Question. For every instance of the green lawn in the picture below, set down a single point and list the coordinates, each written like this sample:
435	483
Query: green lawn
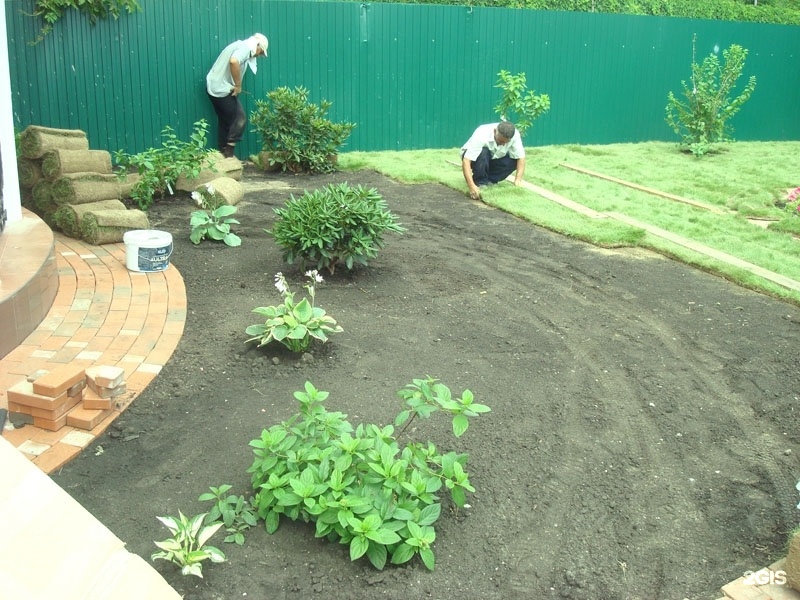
741	182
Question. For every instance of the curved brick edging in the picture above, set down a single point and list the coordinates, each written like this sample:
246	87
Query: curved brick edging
103	314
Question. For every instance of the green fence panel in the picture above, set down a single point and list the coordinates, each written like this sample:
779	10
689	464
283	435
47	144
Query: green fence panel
409	76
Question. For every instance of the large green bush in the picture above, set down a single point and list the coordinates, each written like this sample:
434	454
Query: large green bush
295	134
335	225
361	486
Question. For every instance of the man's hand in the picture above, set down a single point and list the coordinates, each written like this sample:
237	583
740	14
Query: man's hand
518	178
466	169
236	90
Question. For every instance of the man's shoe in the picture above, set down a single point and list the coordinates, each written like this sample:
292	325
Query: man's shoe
227	151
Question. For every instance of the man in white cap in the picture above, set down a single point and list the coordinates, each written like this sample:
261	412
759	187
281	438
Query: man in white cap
224	84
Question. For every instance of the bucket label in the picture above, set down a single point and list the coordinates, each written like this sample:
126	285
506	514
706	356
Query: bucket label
154	259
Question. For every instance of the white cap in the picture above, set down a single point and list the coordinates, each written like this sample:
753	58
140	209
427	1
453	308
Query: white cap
261	41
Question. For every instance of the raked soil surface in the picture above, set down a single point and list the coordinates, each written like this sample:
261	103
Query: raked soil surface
642	442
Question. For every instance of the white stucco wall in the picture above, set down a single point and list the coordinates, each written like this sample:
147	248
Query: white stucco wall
11	198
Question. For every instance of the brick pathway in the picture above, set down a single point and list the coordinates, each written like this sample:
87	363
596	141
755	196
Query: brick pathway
103	314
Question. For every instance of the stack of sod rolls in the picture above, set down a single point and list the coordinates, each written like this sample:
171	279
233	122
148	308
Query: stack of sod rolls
73	188
227	188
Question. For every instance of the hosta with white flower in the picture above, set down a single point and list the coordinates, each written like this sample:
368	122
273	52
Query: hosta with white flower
295	325
214	220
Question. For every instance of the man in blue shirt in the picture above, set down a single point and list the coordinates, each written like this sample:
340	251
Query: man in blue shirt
492	153
224	84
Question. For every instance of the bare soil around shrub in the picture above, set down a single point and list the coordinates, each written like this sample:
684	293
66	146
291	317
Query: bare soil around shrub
642	443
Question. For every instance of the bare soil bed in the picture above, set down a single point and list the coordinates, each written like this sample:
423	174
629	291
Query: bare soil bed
642	443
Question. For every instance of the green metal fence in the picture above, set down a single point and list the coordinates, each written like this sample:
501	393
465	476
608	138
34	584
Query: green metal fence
409	76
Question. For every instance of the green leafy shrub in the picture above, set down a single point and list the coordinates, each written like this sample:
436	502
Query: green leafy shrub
235	512
518	104
358	485
187	546
702	120
296	136
159	168
295	325
333	225
213	220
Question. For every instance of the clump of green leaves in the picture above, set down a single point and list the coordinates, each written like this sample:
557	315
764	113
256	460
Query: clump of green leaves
296	135
293	324
360	486
159	168
334	225
52	11
187	546
702	118
235	512
518	104
214	219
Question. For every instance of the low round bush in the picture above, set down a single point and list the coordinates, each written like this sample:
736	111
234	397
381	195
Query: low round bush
334	225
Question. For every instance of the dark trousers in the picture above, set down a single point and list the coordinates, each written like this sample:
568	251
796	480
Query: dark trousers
485	169
231	117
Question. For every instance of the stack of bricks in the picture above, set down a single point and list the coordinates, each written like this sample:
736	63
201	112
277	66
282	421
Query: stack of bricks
73	395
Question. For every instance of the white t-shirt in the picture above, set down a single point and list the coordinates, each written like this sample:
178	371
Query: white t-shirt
483	137
219	81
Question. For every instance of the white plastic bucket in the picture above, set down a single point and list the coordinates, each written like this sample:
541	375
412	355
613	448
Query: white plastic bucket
147	250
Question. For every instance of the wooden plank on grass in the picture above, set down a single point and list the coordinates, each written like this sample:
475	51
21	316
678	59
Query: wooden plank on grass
712	252
641	188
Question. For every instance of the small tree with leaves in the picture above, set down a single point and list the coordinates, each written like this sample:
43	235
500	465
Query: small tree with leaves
702	119
519	104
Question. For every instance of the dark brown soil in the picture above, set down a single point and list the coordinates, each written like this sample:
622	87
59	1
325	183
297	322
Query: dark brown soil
642	442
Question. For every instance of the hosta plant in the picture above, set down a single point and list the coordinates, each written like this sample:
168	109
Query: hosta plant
187	546
359	485
293	324
214	219
334	225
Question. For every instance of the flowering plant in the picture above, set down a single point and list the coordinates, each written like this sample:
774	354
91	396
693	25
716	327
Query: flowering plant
293	325
214	219
793	201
